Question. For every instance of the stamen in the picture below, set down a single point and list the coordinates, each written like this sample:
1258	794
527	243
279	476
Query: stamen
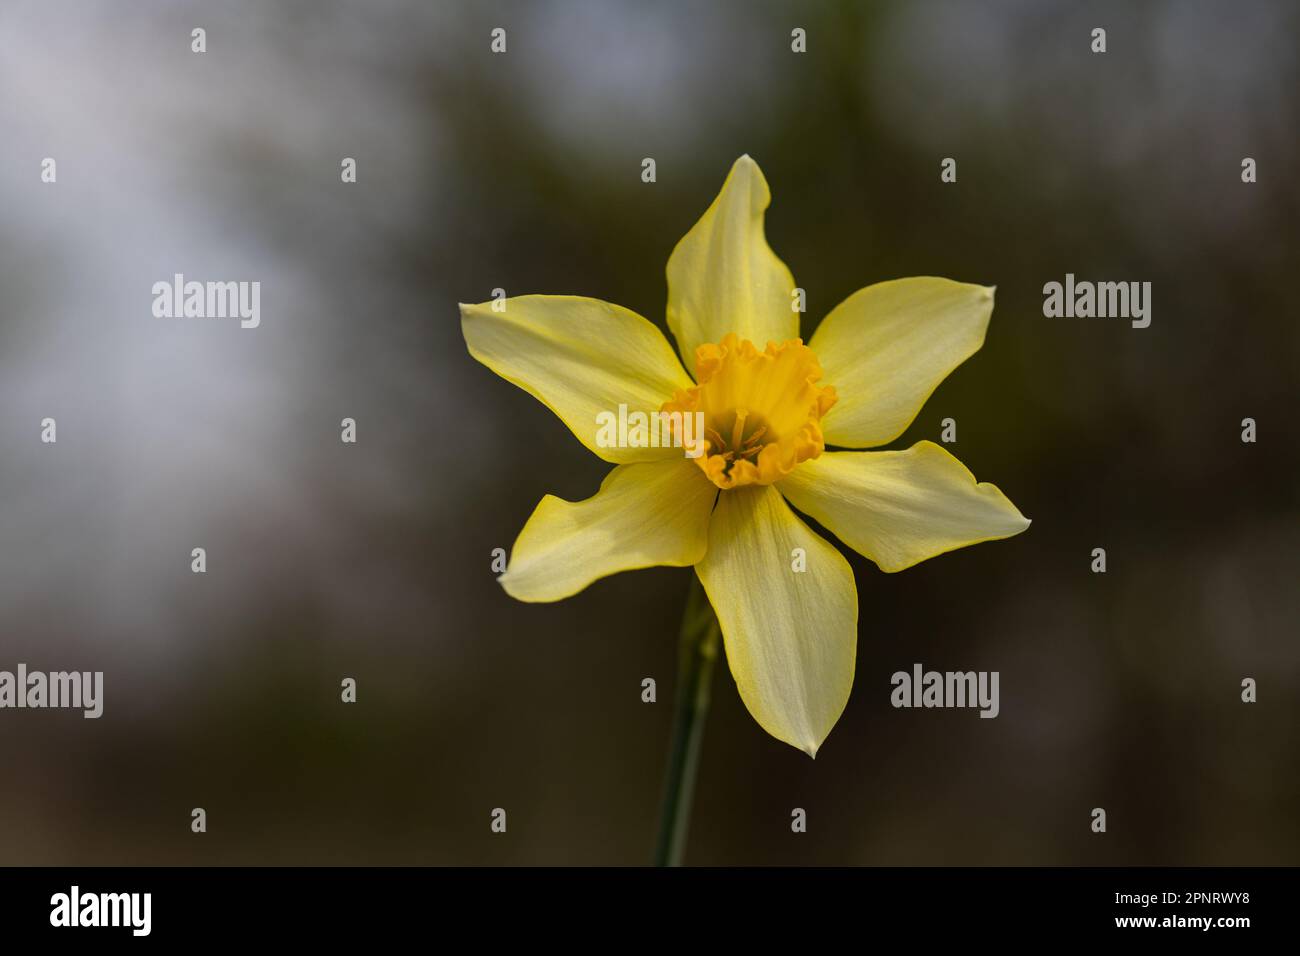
739	428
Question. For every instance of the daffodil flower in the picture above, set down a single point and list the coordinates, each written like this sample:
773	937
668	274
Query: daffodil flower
790	635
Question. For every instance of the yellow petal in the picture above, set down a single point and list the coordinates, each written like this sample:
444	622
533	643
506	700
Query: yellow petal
901	507
791	636
723	277
643	515
887	347
581	358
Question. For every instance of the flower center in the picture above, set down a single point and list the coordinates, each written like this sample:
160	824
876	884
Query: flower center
762	410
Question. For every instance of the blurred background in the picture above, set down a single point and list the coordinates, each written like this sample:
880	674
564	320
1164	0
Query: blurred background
522	171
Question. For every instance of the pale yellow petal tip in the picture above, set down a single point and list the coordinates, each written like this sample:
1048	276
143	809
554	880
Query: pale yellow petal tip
808	745
810	749
1024	522
474	308
511	587
509	584
528	591
791	737
746	169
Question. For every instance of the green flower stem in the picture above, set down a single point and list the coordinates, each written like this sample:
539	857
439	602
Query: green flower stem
697	653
